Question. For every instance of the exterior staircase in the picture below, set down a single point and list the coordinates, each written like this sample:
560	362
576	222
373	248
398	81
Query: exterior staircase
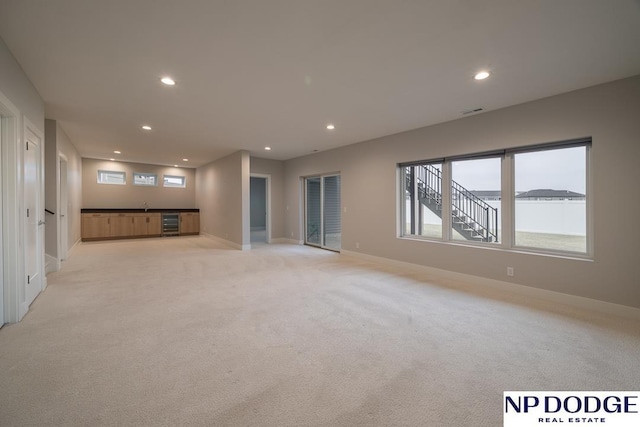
473	218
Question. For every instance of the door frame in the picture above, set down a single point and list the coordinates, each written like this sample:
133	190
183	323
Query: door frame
11	181
2	138
321	235
30	132
267	177
63	203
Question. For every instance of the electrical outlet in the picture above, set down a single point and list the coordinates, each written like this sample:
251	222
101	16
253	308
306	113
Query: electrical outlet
510	271
357	245
292	234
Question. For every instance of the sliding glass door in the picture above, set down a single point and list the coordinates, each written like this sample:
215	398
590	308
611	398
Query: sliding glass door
313	211
323	222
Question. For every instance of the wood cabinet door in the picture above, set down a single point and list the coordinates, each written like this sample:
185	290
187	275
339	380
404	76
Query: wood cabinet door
121	225
139	225
189	223
196	223
95	226
154	225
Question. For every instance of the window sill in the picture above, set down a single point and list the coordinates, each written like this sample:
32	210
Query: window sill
501	248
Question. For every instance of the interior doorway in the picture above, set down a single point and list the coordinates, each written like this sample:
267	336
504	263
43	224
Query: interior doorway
260	202
323	219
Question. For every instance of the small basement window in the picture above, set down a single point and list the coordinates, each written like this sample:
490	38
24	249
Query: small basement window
112	177
175	181
147	179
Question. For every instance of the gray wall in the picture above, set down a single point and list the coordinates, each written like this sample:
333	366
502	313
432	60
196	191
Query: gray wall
57	142
275	169
74	185
608	113
131	196
15	85
222	195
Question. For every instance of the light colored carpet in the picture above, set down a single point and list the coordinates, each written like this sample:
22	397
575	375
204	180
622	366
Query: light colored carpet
182	331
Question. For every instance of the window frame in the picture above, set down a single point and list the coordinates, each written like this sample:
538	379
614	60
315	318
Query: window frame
181	177
507	217
587	144
415	210
104	171
145	174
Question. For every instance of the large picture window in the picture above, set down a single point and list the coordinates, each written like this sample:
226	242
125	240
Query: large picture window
461	199
551	199
423	200
475	199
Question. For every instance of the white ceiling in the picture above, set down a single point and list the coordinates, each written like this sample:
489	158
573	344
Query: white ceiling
256	73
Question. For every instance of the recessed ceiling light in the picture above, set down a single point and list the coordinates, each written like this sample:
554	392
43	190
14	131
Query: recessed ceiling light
146	127
482	75
331	127
112	160
116	152
168	81
175	166
267	148
185	160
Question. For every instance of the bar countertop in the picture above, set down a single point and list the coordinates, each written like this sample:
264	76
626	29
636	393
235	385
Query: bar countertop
139	210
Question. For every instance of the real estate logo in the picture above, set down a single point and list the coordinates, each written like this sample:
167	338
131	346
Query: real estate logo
544	408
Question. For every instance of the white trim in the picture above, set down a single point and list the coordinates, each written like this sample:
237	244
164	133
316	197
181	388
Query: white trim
287	241
1	240
267	177
11	168
226	242
475	282
30	127
62	254
75	244
52	264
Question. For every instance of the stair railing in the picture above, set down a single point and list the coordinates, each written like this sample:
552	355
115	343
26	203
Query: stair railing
431	179
470	209
475	212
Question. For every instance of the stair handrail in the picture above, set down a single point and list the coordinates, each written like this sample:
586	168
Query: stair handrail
468	204
476	209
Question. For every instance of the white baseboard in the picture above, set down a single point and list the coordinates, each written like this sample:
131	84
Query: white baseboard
469	281
52	264
226	242
287	241
76	243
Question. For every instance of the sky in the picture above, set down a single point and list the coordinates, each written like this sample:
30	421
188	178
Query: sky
561	169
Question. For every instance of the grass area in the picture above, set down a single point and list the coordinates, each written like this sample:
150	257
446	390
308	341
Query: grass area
556	242
560	242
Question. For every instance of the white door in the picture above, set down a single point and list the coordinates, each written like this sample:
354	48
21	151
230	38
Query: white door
33	223
63	208
1	241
